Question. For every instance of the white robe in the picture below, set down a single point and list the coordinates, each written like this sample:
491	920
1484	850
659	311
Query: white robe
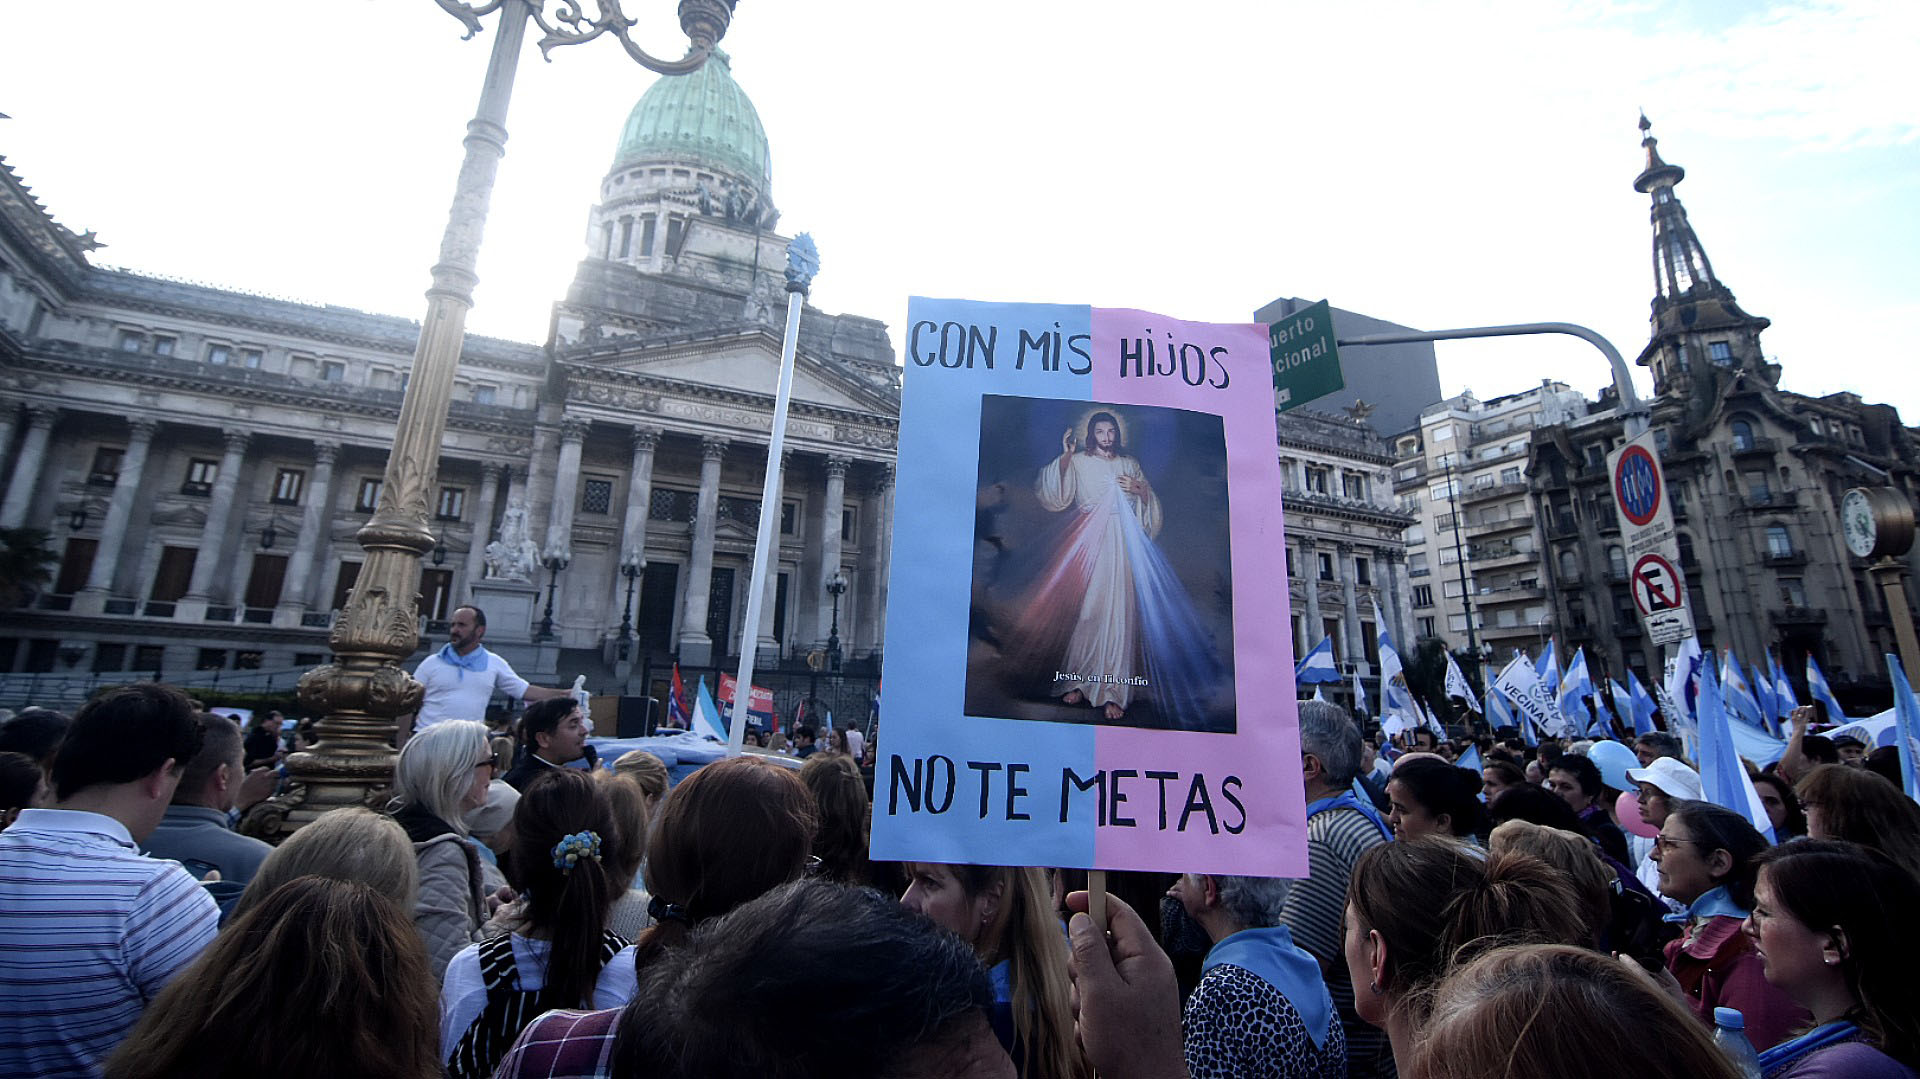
1104	643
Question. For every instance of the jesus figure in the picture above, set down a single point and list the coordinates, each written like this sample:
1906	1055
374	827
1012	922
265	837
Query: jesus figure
1105	486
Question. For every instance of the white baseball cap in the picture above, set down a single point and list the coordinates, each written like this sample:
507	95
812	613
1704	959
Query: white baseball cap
1670	776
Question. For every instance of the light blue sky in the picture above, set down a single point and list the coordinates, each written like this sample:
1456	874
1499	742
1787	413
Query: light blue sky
1436	165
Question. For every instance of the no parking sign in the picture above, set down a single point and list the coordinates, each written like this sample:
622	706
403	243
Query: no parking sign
1646	530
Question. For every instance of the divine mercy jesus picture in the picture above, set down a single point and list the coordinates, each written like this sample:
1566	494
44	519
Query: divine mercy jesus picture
1102	567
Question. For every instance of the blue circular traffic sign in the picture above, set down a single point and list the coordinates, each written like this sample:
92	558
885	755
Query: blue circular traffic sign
1636	484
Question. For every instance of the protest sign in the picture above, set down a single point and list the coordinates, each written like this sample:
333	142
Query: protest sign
759	702
1087	636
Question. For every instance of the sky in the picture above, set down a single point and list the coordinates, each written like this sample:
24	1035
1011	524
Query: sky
1436	165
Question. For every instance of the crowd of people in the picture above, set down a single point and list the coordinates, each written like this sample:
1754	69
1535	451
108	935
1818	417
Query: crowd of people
1569	910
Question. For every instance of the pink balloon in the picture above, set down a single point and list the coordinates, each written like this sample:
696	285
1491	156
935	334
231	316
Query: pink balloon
1626	809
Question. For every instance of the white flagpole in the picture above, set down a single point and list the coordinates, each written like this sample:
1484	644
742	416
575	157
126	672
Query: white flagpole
802	261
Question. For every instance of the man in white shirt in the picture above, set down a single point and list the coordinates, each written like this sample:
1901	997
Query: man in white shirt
463	676
93	928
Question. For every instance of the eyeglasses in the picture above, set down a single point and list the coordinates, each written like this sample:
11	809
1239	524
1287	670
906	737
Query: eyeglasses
1663	843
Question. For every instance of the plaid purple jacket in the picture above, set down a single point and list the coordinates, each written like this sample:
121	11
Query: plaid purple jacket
563	1045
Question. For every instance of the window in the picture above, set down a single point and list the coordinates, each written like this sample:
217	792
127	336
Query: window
1680	357
1779	543
1661	440
201	472
247	660
1569	563
1426	627
163	346
1457	623
1290	570
1354	486
1326	566
1616	560
1742	435
1510	475
1423	595
1792	592
846	523
1417	564
218	355
1362	571
649	225
1441	492
108	656
626	237
1451	589
150	657
596	495
1596	454
676	232
333	371
1720	352
484	394
1757	488
453	500
131	341
1410	503
309	659
1685	543
1443	434
211	659
287	484
1316	480
789	518
250	358
106	466
368	499
1416	533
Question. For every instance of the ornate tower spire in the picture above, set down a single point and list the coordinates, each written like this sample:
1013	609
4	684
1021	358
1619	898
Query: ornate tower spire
1695	318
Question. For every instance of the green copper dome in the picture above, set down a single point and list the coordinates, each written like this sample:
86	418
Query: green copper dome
703	118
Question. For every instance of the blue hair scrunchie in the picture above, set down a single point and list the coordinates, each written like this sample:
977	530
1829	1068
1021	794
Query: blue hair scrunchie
571	849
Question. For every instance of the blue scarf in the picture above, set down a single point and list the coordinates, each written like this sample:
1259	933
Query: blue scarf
1346	800
1791	1050
1271	955
1715	903
475	661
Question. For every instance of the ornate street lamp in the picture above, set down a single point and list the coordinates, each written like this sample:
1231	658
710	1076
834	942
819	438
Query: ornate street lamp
630	566
363	691
836	587
556	560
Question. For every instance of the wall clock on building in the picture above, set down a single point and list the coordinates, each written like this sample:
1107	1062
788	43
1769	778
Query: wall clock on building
1877	522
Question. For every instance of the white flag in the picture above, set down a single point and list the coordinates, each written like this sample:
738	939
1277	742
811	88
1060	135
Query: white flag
1457	684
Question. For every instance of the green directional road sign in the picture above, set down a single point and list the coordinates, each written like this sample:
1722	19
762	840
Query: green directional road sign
1305	363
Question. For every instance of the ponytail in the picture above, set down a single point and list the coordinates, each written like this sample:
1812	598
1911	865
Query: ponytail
563	861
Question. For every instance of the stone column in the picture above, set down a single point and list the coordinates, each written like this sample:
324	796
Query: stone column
213	537
696	648
766	644
113	532
1388	561
1310	577
873	544
632	546
26	470
310	546
832	507
489	494
566	485
9	419
1349	603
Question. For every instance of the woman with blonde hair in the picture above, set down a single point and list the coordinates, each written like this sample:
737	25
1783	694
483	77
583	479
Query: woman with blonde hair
1006	914
321	979
1534	1010
350	844
443	773
1415	907
642	768
633	814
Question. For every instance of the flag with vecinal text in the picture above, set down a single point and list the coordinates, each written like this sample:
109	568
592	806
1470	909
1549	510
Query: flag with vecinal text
1521	683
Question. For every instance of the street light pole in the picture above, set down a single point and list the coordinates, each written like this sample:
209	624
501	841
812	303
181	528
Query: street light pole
836	587
630	569
361	694
556	561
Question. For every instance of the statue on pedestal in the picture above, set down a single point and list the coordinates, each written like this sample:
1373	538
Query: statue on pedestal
513	556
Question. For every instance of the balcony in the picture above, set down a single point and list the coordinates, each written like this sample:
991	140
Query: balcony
1482	492
1563	526
1518	630
1771	500
1755	447
1419	571
1483	529
1787	560
1798	616
1516	594
1496	555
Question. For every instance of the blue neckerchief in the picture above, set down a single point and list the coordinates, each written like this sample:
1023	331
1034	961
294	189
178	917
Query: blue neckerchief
475	661
1791	1050
1346	800
1715	903
1272	956
1001	975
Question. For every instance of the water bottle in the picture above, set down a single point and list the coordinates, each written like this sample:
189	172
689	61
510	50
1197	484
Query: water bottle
1730	1034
